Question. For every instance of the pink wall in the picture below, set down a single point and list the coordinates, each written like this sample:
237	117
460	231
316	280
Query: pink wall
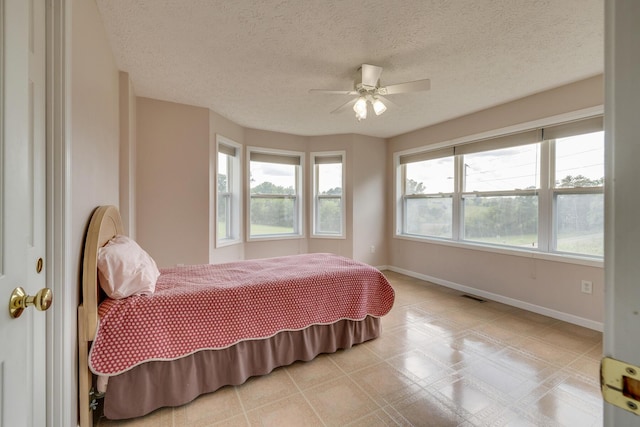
565	99
370	185
127	155
172	181
93	130
92	141
544	285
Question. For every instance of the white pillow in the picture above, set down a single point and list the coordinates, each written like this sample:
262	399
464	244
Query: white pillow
125	269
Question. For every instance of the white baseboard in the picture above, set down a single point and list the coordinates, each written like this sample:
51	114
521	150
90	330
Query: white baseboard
570	318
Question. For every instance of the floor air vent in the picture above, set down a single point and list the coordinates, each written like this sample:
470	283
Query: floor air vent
473	298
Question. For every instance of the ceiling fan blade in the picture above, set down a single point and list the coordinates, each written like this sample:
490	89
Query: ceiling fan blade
387	101
371	75
335	92
414	86
345	106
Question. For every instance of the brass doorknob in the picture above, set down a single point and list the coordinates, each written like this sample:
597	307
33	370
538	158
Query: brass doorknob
20	300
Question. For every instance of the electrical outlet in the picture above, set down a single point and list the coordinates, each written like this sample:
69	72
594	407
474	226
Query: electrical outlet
372	249
587	287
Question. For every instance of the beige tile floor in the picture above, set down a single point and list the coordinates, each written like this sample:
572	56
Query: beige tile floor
442	360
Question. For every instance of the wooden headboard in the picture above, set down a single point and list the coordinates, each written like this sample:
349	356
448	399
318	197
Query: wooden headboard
105	223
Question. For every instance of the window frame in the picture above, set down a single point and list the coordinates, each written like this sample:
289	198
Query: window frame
298	197
234	198
547	193
317	197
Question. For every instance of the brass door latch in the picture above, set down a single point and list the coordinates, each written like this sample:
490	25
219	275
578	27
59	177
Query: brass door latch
620	383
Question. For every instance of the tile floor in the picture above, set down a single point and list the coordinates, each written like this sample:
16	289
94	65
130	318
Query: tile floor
442	360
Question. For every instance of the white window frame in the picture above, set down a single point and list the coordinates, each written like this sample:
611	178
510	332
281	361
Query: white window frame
316	197
234	204
546	194
298	198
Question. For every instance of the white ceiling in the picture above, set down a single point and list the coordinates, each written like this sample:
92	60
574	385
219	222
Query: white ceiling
254	62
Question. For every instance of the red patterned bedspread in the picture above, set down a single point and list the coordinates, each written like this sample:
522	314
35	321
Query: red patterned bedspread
215	306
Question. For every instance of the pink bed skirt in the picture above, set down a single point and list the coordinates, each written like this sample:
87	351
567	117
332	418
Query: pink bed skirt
159	384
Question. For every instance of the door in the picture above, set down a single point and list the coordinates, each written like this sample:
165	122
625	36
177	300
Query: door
622	195
22	211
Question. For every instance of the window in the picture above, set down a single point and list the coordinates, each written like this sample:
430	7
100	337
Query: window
500	196
228	206
428	189
328	194
578	194
540	190
275	199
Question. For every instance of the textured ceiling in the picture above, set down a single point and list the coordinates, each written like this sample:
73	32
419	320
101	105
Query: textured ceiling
254	62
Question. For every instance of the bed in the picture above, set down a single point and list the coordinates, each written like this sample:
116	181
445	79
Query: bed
252	317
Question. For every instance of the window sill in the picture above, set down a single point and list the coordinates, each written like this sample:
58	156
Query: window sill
569	259
328	236
225	243
275	237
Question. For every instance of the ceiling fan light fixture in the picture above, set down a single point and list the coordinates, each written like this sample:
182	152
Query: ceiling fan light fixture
378	107
360	107
368	90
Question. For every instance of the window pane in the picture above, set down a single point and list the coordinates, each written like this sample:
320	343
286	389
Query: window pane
272	178
429	176
223	173
228	186
580	223
504	220
580	161
223	216
329	178
224	186
429	217
272	216
329	216
514	168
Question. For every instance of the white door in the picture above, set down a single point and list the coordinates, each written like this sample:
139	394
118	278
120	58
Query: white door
22	210
622	132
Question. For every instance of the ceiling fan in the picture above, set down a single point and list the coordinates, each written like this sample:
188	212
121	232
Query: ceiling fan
368	90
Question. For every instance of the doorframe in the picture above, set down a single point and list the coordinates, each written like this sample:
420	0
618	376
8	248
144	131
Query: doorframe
622	317
61	320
